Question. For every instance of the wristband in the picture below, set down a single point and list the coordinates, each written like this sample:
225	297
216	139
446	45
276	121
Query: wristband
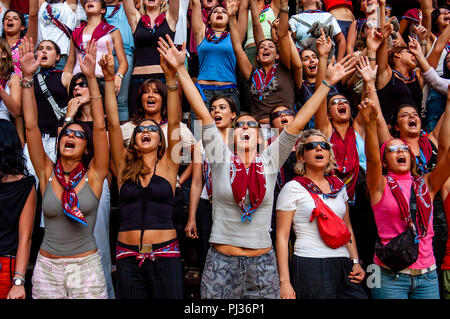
372	59
120	75
95	97
19	273
285	9
324	82
172	87
111	79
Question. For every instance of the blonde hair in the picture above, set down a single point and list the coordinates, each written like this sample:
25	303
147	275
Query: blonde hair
300	167
164	7
300	5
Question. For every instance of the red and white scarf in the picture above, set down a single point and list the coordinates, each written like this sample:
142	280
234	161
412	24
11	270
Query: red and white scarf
254	182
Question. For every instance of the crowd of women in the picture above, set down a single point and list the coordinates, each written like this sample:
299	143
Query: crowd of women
307	141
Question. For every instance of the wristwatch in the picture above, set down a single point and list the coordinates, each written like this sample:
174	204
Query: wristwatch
18	281
68	119
356	261
120	75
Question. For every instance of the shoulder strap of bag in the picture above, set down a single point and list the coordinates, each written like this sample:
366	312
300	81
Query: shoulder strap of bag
59	112
306	24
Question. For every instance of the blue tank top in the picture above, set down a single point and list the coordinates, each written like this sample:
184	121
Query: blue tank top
217	61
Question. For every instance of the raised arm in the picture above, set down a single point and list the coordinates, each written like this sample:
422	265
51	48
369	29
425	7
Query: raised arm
42	164
384	70
439	46
321	120
174	145
121	58
132	13
32	28
335	72
118	150
243	62
172	17
441	134
374	173
100	163
197	24
258	33
175	59
243	8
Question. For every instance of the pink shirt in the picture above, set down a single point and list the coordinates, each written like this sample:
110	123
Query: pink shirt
101	49
390	222
16	57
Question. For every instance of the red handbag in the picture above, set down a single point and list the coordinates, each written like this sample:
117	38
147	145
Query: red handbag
332	228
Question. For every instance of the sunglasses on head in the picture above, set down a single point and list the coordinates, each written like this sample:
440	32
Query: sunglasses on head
278	114
81	84
396	148
313	145
250	124
338	100
77	133
142	128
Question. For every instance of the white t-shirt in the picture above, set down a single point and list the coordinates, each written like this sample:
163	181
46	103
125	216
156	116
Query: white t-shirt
181	29
4	112
308	242
47	30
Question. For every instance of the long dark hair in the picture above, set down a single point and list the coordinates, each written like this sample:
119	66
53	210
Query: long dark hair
89	155
22	20
83	77
12	160
140	111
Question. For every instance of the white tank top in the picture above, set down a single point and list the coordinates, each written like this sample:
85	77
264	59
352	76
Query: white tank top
4	113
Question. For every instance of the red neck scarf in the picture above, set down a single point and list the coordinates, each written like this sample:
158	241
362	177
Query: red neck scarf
211	36
423	202
102	29
254	182
261	80
58	23
71	206
335	184
115	10
147	23
347	159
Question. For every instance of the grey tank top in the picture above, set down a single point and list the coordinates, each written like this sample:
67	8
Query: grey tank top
64	237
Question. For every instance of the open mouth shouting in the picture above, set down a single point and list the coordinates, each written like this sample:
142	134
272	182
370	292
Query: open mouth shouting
245	136
217	119
69	145
284	121
401	160
412	123
145	138
342	110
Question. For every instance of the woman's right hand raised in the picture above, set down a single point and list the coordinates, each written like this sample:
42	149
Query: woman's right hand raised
174	58
28	63
232	7
369	112
107	63
337	71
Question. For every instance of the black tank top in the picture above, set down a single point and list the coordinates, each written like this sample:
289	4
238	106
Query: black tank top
47	119
146	43
396	93
150	207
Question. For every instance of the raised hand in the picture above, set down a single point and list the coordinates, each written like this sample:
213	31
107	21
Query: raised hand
173	58
414	47
232	7
374	40
323	44
337	71
421	32
369	112
107	63
87	64
368	74
28	63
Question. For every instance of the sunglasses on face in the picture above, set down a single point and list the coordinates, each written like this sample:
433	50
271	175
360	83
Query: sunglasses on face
250	124
277	114
82	84
313	145
397	148
142	128
79	134
339	100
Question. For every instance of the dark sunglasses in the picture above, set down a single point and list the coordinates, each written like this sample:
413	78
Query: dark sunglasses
81	84
338	100
396	148
79	134
250	124
313	145
278	114
142	128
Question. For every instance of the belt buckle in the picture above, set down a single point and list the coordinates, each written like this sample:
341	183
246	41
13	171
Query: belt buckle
415	272
146	249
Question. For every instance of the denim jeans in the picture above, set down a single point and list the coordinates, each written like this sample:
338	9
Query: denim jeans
158	279
403	286
208	95
122	98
